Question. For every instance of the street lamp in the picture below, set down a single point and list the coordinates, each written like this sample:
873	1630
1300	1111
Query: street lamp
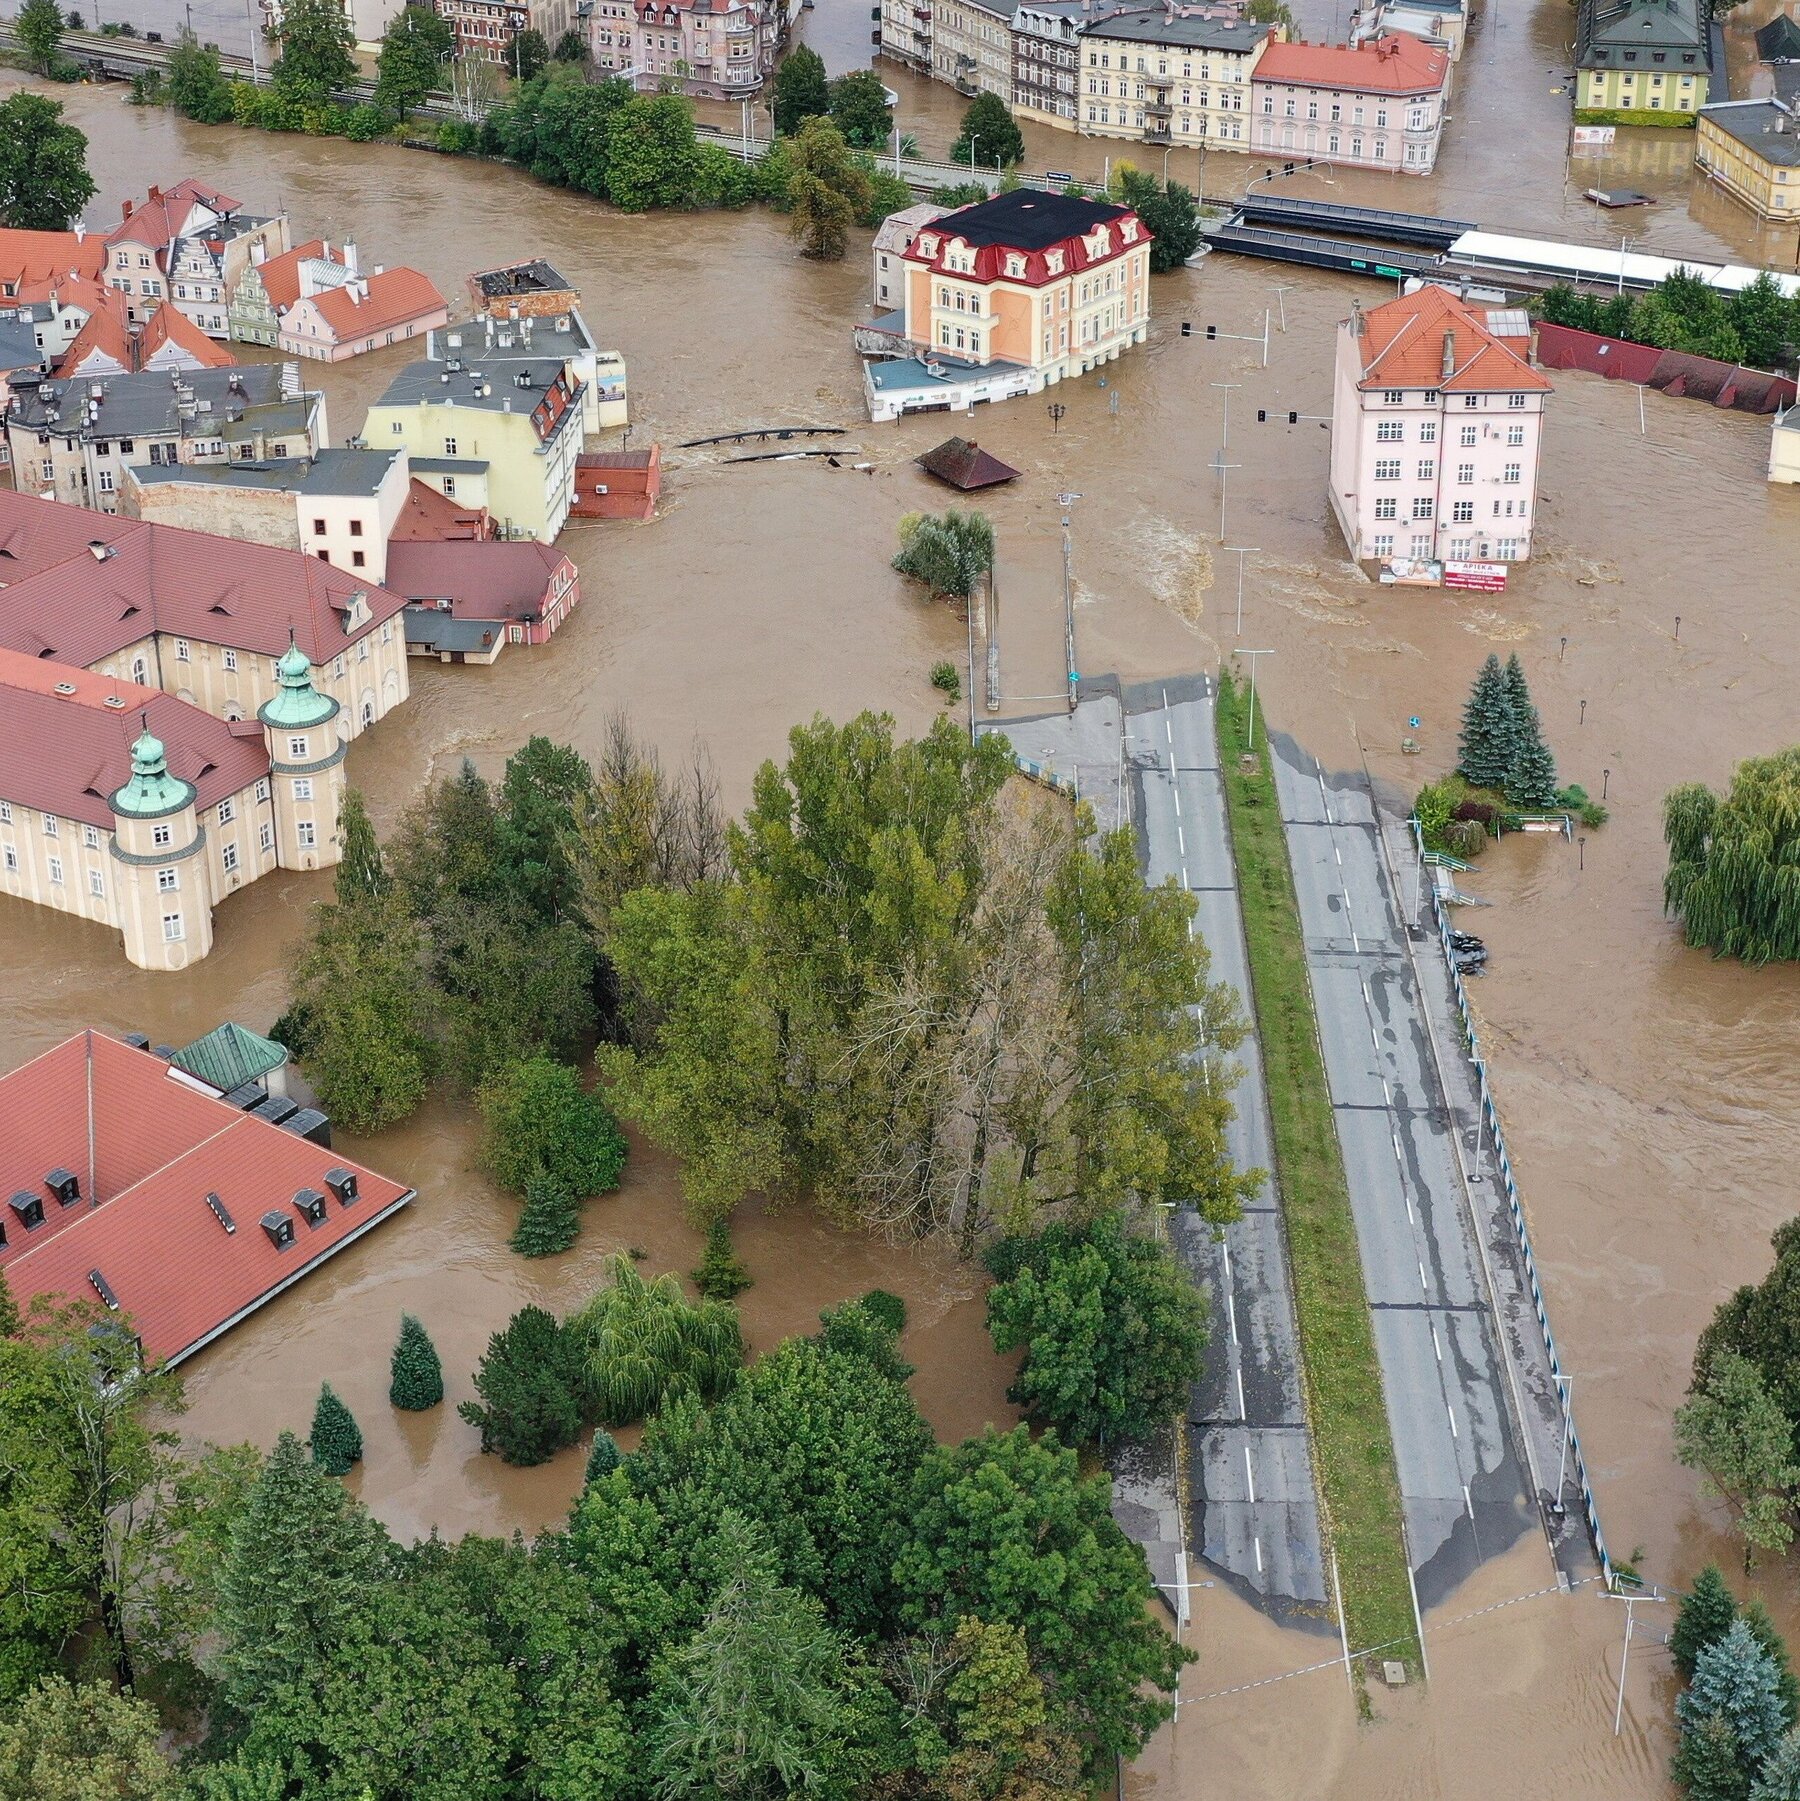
974	139
1066	500
1250	730
1240	551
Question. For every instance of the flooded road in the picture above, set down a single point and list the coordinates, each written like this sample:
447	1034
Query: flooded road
1652	1098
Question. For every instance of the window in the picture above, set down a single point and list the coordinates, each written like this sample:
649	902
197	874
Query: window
1516	402
266	836
96	884
261	791
161	836
1471	400
337	668
228	858
1511	473
449	487
1392	397
12	858
1465	474
1460	547
227	810
1427	469
449	447
303	787
1428	432
1422	506
51	830
1469	435
1384	508
387	631
1390	431
5	812
305	832
56	870
318	528
105	481
1384	544
182	653
1509	548
1387	469
297	749
357	559
172	933
356	530
1462	513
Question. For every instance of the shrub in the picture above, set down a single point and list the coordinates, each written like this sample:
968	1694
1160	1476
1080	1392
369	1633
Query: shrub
856	1329
550	1222
1465	837
947	682
415	1377
721	1275
603	1457
529	1383
539	1119
886	1307
964	193
949	553
337	1444
365	122
458	137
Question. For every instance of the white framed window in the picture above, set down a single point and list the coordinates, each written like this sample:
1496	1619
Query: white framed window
1471	401
1465	474
1384	544
96	884
228	858
1515	436
1470	434
167	881
182	653
1392	397
104	480
1460	547
1427	469
56	870
1385	507
449	447
12	857
1387	469
5	812
162	836
172	932
231	659
302	787
297	748
1516	402
1390	431
90	836
387	631
266	836
1462	512
304	831
1510	473
1428	431
1421	506
1509	548
50	826
337	668
227	810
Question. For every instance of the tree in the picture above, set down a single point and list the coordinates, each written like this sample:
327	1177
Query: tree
1729	861
655	157
1706	1614
801	90
1764	319
362	871
721	1275
1006	1529
1111	1327
859	109
415	47
44	181
537	1119
1531	775
1270	12
415	1377
527	54
603	1456
1173	217
529	1382
761	1702
83	1743
1491	730
1707	1765
571	47
888	194
643	1344
38	26
950	553
197	84
1735	1680
317	50
1735	1431
336	1440
990	136
828	191
1779	1778
550	1221
540	794
1764	1631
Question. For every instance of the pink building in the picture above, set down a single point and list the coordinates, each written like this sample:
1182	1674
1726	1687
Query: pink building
1436	422
346	314
709	49
1379	105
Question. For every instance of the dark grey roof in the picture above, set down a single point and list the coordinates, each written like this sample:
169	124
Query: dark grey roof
449	465
534	277
148	405
1778	41
348	471
1152	25
18	345
1765	127
1611	34
278	416
1028	220
444	631
509	340
512	385
284	475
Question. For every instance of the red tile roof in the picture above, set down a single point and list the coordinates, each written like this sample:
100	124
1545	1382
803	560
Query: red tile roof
393	297
1396	64
63	601
157	221
107	333
281	274
492	580
34	259
427	516
147	1152
1032	225
169	325
1403	341
68	754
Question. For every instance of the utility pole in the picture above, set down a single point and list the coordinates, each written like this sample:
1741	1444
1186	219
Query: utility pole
1240	551
1250	731
1281	301
1066	500
1225	427
992	628
1630	1600
1220	466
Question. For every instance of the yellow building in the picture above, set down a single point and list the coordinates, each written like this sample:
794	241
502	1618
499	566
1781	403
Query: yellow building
1751	148
1163	80
1643	56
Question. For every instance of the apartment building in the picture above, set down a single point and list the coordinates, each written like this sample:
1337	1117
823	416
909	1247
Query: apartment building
1376	105
1443	22
972	47
189	245
1646	56
1046	82
905	33
708	49
1165	80
485	28
1436	427
598	375
1751	148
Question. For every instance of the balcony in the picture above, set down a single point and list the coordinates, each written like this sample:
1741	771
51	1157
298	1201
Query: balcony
1158	108
1158	135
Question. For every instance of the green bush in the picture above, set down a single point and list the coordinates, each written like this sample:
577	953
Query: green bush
721	1276
530	1387
539	1119
603	1457
364	123
1634	115
888	1308
964	193
857	1329
1465	837
550	1222
337	1444
947	682
459	137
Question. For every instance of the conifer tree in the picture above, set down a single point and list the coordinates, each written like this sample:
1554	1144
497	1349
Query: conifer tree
1706	1615
721	1275
416	1379
1736	1680
1531	773
603	1457
1763	1630
336	1438
1779	1778
1707	1765
550	1221
1489	730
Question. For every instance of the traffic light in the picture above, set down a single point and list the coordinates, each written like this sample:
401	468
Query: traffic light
1212	332
1187	330
1262	415
1293	418
1287	168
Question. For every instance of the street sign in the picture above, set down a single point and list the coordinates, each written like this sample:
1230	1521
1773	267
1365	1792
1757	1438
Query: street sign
1060	176
1489	578
1413	723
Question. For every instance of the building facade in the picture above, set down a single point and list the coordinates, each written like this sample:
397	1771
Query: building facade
1167	80
1436	21
366	312
1751	148
1046	78
905	33
188	245
486	28
1379	105
972	46
1645	56
1436	428
707	49
893	238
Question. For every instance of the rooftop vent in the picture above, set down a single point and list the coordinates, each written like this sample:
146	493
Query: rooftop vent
115	701
103	1289
65	688
342	1183
63	1184
220	1214
310	1205
29	1208
99	549
280	1228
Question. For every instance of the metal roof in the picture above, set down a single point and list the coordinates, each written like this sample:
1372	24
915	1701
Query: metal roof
230	1055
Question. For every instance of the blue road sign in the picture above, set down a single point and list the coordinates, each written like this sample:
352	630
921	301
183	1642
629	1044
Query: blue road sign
1414	723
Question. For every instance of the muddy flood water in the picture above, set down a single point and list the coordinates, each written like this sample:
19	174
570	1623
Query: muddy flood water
1651	1096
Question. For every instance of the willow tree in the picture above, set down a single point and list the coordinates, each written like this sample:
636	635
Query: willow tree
1734	863
949	552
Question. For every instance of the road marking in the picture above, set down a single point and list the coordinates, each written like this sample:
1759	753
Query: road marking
1249	1475
1243	1411
1230	1304
1169	730
1368	1000
1452	1413
1339	855
1257	1542
1438	1348
1422	1283
1177	794
1387	1096
1181	839
1467	1502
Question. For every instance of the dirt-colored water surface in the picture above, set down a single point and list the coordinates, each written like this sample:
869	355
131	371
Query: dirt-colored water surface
1650	1094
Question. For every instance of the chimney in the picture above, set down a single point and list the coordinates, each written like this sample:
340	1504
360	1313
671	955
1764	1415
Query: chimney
155	195
125	211
80	232
1449	367
350	261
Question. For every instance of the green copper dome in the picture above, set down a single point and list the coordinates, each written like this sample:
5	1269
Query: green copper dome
151	790
297	703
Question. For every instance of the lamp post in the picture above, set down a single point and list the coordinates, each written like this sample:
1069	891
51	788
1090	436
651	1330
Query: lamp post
1240	551
1220	466
974	139
1630	1601
1225	426
1066	500
1250	729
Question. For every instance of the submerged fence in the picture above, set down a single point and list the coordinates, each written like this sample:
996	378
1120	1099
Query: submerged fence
1490	1116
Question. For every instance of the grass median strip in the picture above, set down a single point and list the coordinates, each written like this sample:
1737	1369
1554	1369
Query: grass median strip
1352	1443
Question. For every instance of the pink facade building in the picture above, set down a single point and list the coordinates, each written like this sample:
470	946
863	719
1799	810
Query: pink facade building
1376	105
709	49
1436	423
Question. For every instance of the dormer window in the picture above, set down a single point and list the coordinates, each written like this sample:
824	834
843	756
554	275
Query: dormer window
1054	261
1015	265
1130	231
928	244
280	1228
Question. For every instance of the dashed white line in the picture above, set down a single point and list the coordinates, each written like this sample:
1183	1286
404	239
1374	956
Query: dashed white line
1257	1543
1422	1282
1339	855
1176	792
1169	731
1249	1476
1436	1347
1181	839
1230	1304
1470	1505
1243	1411
1452	1413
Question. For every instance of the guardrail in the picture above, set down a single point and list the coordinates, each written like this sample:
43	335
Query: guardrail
1490	1118
1046	777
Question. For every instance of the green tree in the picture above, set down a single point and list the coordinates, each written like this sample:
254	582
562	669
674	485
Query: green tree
1531	775
571	47
527	54
1007	1530
362	871
1764	1631
721	1275
317	50
44	180
1706	1614
655	157
1729	880
415	1375
888	194
198	87
603	1456
951	553
1491	729
1170	212
530	1383
541	794
1735	1432
1764	320
859	109
1779	1778
415	47
1707	1765
538	1119
1270	12
38	26
550	1221
83	1743
990	136
864	1331
336	1439
1735	1680
828	192
801	90
1111	1327
762	1701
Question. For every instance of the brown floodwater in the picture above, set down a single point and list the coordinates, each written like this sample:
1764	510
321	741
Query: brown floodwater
1651	1095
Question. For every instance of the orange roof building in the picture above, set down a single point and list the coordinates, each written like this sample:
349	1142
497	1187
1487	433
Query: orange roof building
169	340
361	313
32	261
1374	105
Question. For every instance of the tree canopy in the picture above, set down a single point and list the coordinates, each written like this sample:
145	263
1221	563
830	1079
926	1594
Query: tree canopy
318	50
859	109
1734	862
801	90
827	192
415	47
990	137
38	25
44	180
